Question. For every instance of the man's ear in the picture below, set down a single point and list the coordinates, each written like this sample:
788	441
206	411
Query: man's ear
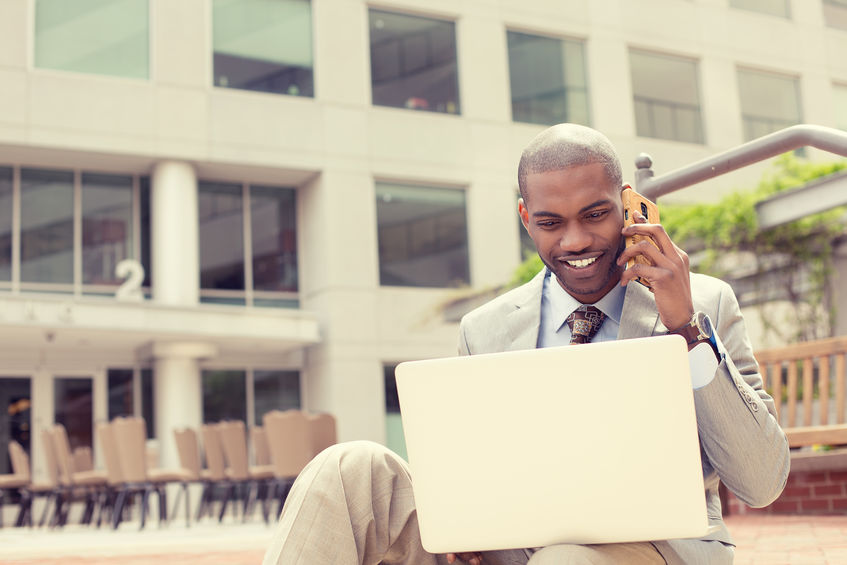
524	214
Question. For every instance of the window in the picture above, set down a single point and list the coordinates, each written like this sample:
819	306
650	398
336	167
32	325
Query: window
769	102
835	13
269	276
125	401
75	227
772	7
839	94
666	97
15	416
422	234
413	62
263	45
394	438
235	394
73	403
547	78
104	37
6	207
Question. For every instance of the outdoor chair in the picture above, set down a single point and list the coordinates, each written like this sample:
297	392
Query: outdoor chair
114	475
259	441
75	483
188	451
239	472
291	448
323	431
9	483
58	494
215	475
30	491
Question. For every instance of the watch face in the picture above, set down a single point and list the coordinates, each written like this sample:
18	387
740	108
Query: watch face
704	324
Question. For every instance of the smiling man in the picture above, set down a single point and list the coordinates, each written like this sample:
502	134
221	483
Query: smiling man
353	503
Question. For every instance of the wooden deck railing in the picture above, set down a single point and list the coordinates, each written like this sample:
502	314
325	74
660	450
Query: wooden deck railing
807	381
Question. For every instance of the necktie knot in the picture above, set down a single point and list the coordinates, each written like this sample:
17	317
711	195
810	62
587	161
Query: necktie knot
584	323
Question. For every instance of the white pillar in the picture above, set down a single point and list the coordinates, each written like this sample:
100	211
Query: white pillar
177	391
174	225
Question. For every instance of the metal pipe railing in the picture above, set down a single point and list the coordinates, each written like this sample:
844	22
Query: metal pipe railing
771	145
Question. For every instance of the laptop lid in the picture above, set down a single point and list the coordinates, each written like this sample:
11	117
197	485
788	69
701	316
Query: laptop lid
589	444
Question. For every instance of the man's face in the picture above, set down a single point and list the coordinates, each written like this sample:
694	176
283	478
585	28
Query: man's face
575	217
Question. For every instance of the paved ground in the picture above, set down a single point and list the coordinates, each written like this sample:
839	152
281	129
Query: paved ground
762	540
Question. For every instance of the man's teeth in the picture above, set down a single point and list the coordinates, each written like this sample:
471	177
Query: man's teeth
582	262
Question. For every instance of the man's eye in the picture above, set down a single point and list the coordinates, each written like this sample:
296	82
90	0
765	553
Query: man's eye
546	223
596	215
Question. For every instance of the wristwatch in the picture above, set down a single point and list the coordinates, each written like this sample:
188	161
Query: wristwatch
698	330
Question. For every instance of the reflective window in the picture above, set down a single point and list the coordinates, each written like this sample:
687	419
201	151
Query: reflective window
423	239
106	226
547	78
275	390
6	208
224	396
263	45
73	408
772	7
274	239
47	226
839	94
122	387
15	417
835	13
666	97
106	37
271	244
769	102
413	62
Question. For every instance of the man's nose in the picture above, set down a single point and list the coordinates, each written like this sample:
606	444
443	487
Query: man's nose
575	239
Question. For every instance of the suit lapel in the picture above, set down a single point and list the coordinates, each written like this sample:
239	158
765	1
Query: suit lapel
640	317
524	321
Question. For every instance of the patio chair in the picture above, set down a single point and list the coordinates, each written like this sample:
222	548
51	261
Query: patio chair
215	473
239	472
259	441
323	431
30	491
75	483
58	494
290	445
114	475
9	483
188	451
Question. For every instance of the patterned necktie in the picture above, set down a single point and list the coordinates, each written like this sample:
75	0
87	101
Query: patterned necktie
584	323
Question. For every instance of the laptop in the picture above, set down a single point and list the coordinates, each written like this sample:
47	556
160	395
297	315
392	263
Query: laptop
506	451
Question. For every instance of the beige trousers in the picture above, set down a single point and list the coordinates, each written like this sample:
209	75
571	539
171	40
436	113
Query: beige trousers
353	505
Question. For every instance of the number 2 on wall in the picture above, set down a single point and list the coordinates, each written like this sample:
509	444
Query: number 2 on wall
133	274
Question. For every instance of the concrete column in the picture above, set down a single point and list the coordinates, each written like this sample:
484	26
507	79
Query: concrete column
174	234
177	391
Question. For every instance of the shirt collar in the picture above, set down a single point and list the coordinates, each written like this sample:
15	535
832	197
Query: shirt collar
562	303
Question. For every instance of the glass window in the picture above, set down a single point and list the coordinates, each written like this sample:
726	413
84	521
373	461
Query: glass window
413	62
120	393
423	239
224	395
274	238
769	102
840	95
263	45
275	390
666	97
6	208
394	438
835	13
106	226
221	236
547	78
47	226
106	37
772	7
15	417
73	408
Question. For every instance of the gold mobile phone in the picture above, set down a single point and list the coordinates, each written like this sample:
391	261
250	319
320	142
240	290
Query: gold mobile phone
632	203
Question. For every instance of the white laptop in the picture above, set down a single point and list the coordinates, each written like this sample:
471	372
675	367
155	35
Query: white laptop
589	444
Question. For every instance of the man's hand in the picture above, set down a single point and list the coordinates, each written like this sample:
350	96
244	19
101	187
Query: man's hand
471	557
668	275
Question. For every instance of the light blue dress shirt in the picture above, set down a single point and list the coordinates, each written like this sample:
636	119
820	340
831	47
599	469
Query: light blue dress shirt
557	305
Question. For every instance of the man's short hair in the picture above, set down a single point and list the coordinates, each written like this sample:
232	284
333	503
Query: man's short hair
568	145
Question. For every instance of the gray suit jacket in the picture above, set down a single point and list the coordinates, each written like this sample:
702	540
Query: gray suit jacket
741	442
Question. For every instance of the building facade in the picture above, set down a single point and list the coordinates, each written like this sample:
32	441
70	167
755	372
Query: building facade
214	208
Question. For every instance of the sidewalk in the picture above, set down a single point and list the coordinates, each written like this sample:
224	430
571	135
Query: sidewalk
761	539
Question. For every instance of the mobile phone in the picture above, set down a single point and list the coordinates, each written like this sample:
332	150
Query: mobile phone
632	203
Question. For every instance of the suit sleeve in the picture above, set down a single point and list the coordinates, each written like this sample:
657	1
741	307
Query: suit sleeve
736	418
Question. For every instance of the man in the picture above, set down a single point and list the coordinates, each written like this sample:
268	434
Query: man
353	504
